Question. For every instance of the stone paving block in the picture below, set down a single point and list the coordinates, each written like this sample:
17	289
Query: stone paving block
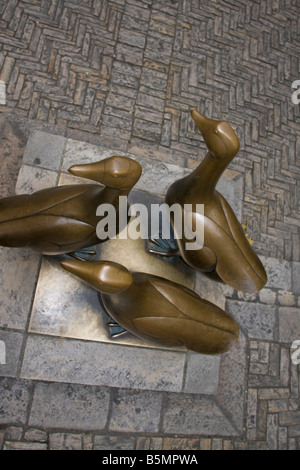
135	411
267	296
194	415
12	345
142	443
202	376
289	417
64	441
69	406
44	150
272	431
36	435
257	320
285	364
33	179
286	298
18	276
14	399
294	431
231	387
113	443
231	186
278	272
177	443
296	276
14	433
10	445
156	443
86	362
289	324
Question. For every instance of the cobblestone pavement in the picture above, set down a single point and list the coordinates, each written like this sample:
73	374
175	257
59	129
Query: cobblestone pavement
125	74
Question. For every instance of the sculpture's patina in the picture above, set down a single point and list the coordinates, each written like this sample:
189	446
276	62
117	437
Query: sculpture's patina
63	219
226	250
158	310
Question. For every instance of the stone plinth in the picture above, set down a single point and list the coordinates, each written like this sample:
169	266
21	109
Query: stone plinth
67	336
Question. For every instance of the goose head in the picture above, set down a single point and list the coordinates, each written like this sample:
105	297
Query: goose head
105	276
220	138
114	172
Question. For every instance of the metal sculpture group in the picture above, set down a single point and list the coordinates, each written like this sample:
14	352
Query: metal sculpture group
63	220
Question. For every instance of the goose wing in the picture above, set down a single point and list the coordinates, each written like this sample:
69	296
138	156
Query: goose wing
49	220
237	263
25	205
188	321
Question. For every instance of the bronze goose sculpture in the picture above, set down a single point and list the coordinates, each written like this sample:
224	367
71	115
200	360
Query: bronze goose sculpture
63	219
156	309
226	249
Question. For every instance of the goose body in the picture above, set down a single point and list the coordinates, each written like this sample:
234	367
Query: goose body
158	310
226	249
63	219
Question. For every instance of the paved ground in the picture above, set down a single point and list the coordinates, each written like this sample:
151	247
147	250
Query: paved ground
124	74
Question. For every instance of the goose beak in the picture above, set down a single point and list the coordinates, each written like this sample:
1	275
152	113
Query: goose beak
104	276
115	172
92	171
82	269
203	123
220	138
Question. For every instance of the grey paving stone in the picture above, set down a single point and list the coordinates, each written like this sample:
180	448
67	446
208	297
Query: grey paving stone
231	387
278	272
12	344
69	406
267	296
33	179
257	320
65	441
18	275
289	324
135	411
202	374
36	435
286	298
10	445
44	150
155	443
231	186
296	276
114	443
14	433
87	362
195	415
14	401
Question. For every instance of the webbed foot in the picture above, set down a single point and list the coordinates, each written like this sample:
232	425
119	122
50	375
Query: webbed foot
83	254
163	247
115	329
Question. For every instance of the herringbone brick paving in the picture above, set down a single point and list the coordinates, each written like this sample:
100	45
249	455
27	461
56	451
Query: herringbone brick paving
125	74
